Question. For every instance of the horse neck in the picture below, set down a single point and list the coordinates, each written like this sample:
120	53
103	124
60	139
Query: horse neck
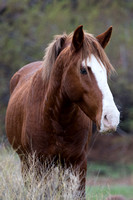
64	117
58	108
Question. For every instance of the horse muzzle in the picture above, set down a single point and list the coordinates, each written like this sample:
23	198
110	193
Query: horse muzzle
110	120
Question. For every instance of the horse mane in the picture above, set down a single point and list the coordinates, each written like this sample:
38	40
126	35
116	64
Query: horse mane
51	53
90	46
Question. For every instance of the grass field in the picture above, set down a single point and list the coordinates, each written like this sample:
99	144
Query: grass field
102	181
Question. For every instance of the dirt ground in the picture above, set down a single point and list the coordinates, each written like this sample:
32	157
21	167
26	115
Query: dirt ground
110	181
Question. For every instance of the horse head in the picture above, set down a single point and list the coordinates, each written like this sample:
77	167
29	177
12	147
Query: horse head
86	68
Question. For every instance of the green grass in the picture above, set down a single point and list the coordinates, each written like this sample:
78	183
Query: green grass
114	171
102	192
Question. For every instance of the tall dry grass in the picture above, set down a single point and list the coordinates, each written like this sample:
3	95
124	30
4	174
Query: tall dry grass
56	184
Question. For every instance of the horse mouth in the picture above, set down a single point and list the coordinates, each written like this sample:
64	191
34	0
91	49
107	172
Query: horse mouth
107	131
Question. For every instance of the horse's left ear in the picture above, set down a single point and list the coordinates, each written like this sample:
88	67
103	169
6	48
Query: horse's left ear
104	38
78	37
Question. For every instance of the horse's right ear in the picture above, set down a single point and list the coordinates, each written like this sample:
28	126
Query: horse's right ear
78	38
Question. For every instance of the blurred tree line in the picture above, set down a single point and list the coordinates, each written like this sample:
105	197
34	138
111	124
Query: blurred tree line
26	28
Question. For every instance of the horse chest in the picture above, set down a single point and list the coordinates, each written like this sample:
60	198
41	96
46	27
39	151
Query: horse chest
71	143
66	144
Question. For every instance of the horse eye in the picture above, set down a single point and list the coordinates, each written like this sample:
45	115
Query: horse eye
83	70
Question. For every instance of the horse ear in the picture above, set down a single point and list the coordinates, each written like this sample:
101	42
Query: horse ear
104	38
59	42
78	37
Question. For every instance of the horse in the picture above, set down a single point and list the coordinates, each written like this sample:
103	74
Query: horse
53	102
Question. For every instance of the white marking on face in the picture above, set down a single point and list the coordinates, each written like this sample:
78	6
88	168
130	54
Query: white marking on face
110	114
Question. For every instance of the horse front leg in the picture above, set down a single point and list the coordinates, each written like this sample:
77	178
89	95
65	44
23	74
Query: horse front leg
82	177
25	170
82	180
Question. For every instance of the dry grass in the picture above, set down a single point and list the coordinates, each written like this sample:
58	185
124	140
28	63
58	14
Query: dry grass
55	184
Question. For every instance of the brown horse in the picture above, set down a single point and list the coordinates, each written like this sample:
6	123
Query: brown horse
53	102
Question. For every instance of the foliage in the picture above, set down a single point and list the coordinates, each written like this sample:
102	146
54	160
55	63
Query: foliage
26	27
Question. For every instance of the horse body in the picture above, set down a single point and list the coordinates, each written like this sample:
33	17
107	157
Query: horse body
51	112
52	126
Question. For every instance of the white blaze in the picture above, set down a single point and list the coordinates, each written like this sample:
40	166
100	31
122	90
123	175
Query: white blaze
110	114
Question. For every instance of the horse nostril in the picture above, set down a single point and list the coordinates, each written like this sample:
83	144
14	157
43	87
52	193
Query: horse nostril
105	118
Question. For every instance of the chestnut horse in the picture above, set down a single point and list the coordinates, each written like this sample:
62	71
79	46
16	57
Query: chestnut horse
53	102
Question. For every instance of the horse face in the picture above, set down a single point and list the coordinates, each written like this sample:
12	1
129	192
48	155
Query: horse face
87	86
108	119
